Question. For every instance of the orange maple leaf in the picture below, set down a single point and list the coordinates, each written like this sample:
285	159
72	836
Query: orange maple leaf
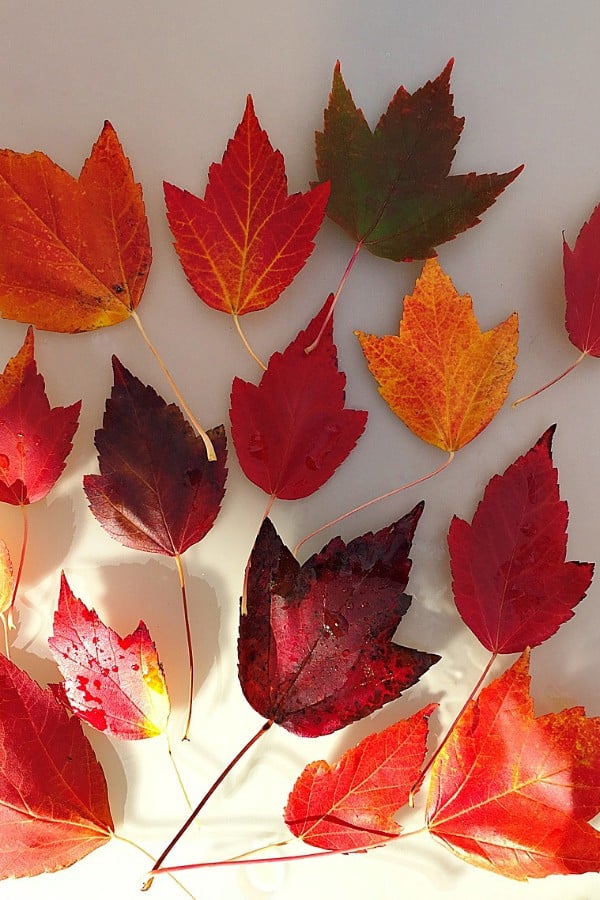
74	253
515	794
443	376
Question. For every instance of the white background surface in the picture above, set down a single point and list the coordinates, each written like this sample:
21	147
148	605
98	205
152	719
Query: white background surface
173	78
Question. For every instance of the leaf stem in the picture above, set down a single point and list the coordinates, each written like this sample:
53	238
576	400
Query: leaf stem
24	541
210	450
126	840
362	506
190	648
241	753
177	772
336	297
256	359
550	383
6	642
416	786
242	861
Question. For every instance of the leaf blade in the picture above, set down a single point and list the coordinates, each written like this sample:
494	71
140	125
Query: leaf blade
443	376
245	242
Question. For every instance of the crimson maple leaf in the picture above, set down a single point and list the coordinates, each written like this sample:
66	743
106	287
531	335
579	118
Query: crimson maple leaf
513	793
53	798
35	439
512	586
245	242
582	293
316	648
116	684
350	806
390	188
292	430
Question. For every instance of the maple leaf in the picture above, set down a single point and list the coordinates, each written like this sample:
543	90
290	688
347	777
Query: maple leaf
115	684
292	431
442	376
390	188
157	491
53	798
35	440
582	292
315	648
513	793
351	805
74	253
245	242
512	586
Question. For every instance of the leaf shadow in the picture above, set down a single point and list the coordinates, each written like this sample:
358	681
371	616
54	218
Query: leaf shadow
51	533
150	591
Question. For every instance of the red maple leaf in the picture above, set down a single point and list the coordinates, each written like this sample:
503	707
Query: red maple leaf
350	806
582	293
35	439
157	491
513	793
512	586
53	798
116	684
316	647
292	430
582	287
245	242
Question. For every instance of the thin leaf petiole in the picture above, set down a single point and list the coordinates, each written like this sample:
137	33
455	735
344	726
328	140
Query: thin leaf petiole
336	297
362	506
416	786
244	340
24	541
131	843
570	368
210	450
218	781
242	860
188	636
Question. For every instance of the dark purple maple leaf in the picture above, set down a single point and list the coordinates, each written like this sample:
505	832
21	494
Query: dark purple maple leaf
316	648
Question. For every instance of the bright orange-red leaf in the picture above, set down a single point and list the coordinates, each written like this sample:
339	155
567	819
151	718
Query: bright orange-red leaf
246	241
443	376
74	253
351	805
515	794
114	683
35	439
53	799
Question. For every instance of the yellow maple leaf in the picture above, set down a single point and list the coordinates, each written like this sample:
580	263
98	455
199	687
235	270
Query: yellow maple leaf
443	376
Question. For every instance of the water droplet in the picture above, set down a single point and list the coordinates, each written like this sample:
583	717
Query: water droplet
114	668
97	682
335	623
135	667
